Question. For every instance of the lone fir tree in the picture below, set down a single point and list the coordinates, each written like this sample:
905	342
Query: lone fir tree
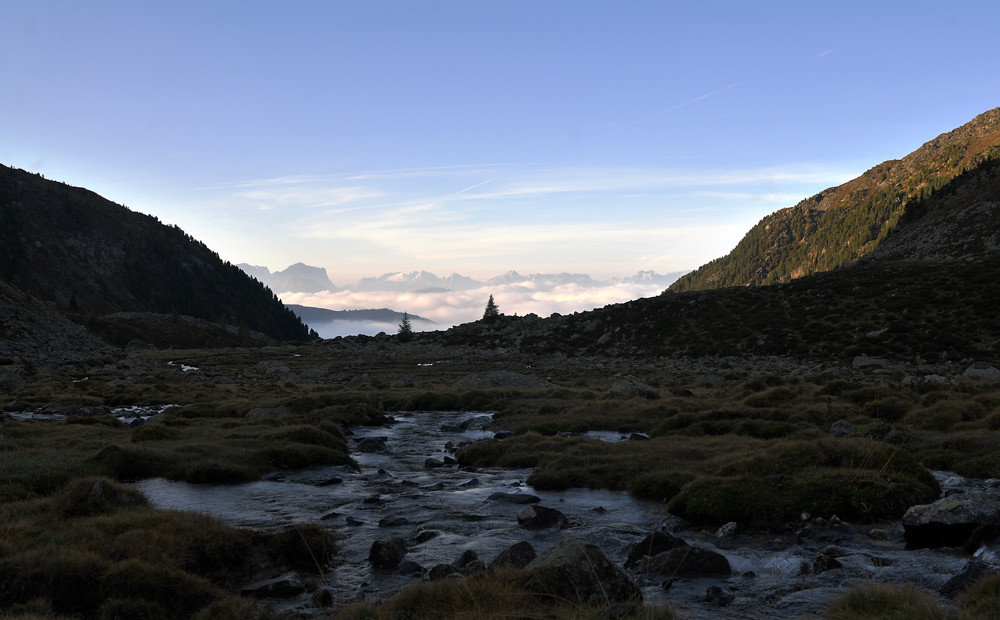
405	329
492	312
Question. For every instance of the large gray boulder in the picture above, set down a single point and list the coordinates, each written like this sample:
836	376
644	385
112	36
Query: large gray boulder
580	572
950	521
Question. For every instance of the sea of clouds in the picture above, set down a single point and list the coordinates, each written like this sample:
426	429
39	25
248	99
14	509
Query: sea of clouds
449	308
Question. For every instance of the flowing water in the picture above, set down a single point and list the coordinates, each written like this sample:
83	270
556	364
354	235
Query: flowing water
443	511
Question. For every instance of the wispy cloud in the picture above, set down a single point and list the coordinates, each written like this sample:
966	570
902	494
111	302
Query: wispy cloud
496	217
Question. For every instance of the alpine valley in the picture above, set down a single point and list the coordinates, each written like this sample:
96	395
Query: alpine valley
808	426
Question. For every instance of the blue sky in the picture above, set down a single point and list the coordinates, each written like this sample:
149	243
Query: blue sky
474	136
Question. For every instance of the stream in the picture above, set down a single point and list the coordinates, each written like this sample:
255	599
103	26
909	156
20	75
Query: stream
443	511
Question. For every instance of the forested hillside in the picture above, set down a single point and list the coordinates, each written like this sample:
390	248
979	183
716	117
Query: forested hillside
92	257
841	224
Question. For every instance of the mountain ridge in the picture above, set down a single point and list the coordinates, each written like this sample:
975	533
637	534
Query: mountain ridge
841	224
90	257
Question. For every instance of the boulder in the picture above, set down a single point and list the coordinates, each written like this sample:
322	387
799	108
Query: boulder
515	556
433	463
442	571
477	423
973	571
539	517
410	568
654	544
581	573
468	556
688	562
387	553
950	521
982	370
842	428
394	521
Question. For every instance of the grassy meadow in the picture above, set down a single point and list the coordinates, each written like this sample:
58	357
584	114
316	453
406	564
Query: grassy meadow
746	442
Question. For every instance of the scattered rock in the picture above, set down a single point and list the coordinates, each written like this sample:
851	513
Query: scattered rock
410	568
652	545
515	556
540	518
477	423
387	553
842	428
688	562
425	535
973	571
950	521
580	572
442	571
982	370
433	463
912	380
467	557
726	531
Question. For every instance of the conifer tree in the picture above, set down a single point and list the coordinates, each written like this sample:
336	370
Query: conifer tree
405	329
492	312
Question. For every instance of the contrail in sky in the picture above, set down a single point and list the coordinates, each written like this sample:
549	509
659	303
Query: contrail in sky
679	106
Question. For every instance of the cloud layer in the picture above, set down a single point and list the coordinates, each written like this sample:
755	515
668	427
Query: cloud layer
455	307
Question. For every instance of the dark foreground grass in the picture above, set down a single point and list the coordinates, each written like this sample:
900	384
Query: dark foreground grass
755	449
96	549
495	595
880	602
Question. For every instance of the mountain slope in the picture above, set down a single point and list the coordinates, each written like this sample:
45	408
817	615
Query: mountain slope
69	246
841	224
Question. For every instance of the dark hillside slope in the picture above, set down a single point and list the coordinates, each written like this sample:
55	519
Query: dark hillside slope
841	224
92	257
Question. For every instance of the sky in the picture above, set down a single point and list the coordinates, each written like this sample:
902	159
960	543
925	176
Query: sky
478	137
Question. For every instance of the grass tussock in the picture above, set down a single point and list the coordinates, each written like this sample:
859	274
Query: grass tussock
495	596
96	549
